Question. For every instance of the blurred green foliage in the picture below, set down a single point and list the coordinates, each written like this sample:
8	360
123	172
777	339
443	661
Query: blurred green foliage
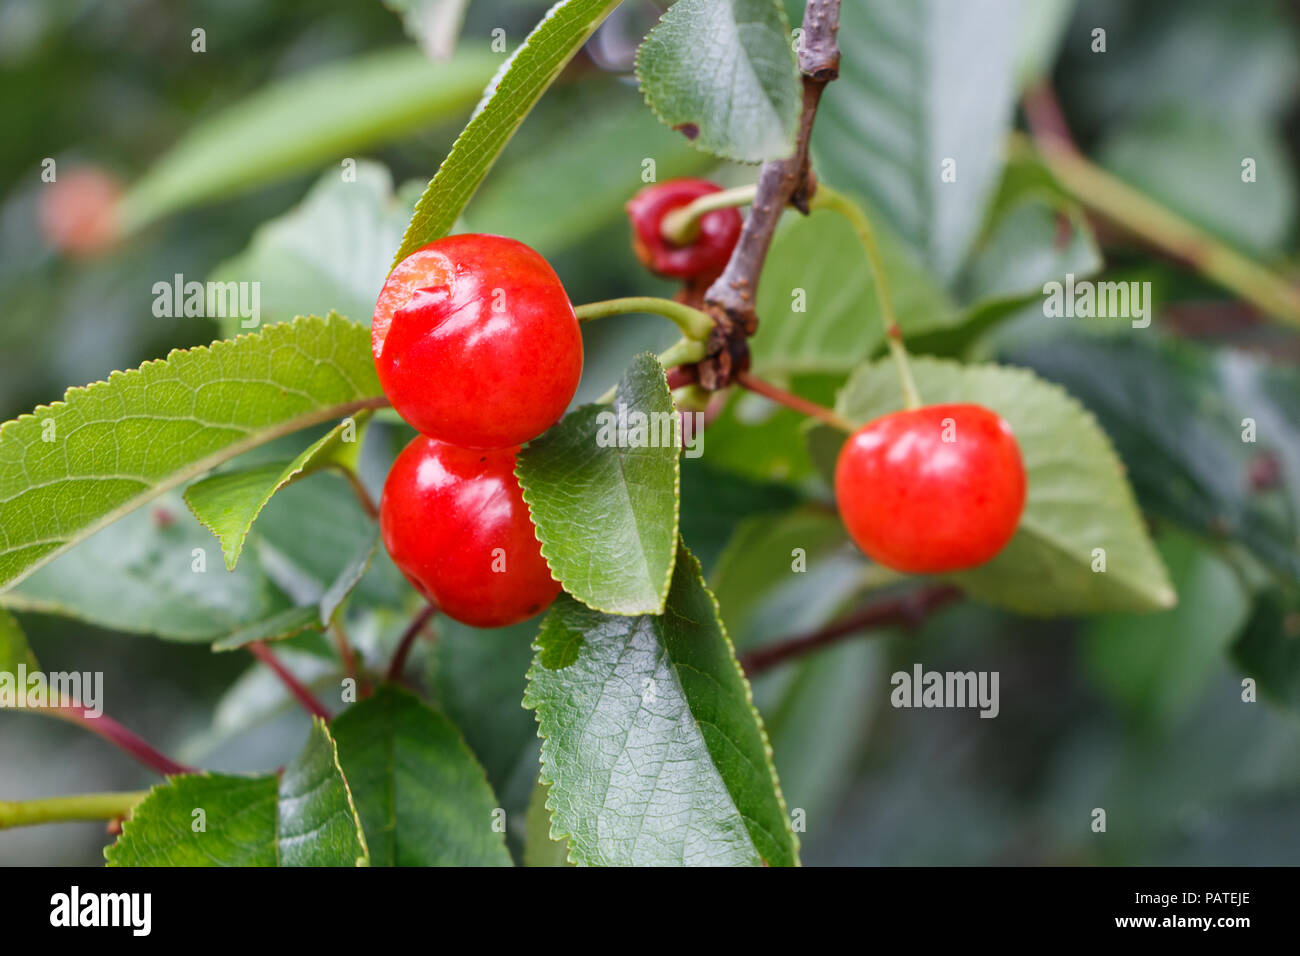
1140	715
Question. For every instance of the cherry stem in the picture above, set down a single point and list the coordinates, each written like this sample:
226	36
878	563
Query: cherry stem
125	740
296	687
362	492
681	226
827	198
790	400
418	624
86	806
693	323
344	647
909	610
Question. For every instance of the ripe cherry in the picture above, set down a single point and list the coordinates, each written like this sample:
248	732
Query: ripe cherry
932	489
702	259
476	343
78	211
455	523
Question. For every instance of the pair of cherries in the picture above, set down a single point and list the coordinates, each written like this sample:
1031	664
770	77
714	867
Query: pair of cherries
478	348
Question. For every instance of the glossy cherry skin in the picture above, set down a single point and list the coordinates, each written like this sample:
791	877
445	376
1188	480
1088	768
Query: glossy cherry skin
706	257
933	489
455	523
476	343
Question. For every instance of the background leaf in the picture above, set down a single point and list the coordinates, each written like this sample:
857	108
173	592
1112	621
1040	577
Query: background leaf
331	252
1077	501
1269	648
512	93
817	265
306	120
911	94
724	72
229	502
306	818
69	469
651	745
1156	666
607	515
422	797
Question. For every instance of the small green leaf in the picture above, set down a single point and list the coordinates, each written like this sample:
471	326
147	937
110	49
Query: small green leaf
287	623
305	818
69	469
511	94
422	796
651	745
724	72
229	502
14	649
818	302
915	123
304	121
1080	510
602	488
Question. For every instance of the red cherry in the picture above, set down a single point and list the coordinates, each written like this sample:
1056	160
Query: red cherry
476	342
455	523
78	211
933	489
705	257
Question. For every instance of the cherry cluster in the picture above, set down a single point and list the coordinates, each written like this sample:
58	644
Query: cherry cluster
478	347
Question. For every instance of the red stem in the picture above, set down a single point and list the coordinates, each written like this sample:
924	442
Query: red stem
126	740
296	687
418	624
908	610
790	400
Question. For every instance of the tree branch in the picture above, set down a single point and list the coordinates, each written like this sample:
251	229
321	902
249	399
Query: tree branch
730	300
908	610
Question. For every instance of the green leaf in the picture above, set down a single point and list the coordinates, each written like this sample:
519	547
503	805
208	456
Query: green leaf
142	575
511	94
818	303
69	469
329	253
603	494
14	649
423	798
1192	163
1269	648
1157	665
229	502
304	121
724	71
1078	499
305	818
285	624
1178	416
651	745
539	848
911	97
